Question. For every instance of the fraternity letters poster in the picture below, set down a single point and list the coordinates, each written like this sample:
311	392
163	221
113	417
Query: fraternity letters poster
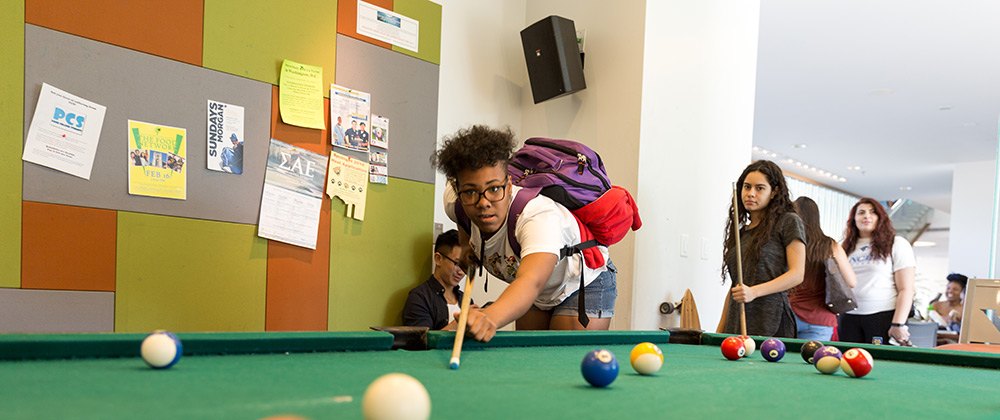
157	157
225	137
64	132
347	178
386	25
293	195
349	113
300	95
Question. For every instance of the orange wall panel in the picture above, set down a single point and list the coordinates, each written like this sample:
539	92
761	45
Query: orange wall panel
298	278
68	248
347	20
171	29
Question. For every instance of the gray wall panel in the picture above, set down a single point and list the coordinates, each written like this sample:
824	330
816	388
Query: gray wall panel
56	311
405	90
139	86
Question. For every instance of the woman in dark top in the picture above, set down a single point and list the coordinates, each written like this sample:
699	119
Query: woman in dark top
772	240
427	305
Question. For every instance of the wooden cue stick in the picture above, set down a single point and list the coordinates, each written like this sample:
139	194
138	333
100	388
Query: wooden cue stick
739	261
463	318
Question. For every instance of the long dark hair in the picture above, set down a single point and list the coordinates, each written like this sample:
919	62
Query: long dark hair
781	203
882	237
819	246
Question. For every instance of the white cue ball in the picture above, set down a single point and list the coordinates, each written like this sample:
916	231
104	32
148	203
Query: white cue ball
161	349
749	345
396	396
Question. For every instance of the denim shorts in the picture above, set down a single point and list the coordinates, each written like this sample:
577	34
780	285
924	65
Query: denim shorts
599	297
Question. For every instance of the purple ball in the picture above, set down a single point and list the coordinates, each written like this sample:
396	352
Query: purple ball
826	351
772	349
827	359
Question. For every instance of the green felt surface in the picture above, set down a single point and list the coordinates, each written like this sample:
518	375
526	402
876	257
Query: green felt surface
493	383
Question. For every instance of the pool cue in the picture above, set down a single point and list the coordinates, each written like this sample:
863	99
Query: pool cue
463	318
739	261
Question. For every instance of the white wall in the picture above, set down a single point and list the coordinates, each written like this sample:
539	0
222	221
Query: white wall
695	139
606	115
971	218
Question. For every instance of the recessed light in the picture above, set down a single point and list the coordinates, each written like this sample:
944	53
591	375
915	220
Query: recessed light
800	146
907	188
921	244
944	108
854	168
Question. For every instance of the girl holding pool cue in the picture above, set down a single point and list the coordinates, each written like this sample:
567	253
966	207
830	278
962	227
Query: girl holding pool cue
773	254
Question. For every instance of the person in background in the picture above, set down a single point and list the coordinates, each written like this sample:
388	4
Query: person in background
812	317
431	303
772	241
949	311
884	265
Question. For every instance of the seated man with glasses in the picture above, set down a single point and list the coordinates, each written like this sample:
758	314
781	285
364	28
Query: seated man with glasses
543	291
432	302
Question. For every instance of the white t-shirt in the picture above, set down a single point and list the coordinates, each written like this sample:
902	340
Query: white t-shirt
876	289
544	226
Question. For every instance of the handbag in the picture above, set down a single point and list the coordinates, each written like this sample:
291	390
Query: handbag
839	297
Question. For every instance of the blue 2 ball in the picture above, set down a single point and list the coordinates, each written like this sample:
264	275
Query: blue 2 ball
599	368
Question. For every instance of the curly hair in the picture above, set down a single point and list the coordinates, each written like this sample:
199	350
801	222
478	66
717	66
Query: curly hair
472	148
882	237
781	203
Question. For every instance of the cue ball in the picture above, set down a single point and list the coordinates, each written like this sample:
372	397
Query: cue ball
856	362
827	359
161	349
749	345
733	348
646	358
772	349
808	349
396	396
599	368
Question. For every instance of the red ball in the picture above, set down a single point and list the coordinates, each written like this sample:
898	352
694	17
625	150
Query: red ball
857	362
732	348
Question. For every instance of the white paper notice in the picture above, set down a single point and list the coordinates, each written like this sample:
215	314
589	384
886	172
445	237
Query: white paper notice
347	178
293	195
386	25
64	132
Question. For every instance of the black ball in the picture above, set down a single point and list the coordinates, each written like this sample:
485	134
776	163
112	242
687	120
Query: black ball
808	349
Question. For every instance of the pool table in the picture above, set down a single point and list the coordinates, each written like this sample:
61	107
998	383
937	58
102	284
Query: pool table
518	375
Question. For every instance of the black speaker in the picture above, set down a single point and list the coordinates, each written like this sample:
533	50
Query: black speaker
553	58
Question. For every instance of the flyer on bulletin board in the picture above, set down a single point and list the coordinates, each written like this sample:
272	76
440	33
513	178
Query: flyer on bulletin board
380	131
379	160
347	178
156	160
349	118
64	132
300	95
388	26
225	137
293	195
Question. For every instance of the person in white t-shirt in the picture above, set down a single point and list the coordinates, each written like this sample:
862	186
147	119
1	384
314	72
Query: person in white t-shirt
544	288
884	266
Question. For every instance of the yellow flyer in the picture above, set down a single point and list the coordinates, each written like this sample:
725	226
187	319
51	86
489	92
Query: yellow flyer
157	155
300	95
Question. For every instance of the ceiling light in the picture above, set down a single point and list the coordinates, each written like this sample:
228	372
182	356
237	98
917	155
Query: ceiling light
922	244
944	108
800	146
906	188
854	168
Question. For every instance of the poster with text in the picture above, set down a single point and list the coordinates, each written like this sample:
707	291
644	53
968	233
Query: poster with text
64	132
157	157
350	111
388	26
347	178
379	170
300	95
293	195
380	131
225	137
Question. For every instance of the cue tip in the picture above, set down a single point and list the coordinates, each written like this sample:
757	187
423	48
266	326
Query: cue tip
454	363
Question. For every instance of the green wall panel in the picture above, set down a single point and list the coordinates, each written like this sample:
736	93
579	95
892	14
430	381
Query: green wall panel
188	275
250	38
11	131
429	15
375	262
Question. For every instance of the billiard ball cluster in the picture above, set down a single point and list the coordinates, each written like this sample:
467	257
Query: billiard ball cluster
856	362
600	367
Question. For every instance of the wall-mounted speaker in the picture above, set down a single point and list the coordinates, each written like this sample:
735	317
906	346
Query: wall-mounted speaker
553	58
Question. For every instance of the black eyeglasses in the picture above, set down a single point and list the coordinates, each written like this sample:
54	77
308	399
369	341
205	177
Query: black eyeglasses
493	194
449	259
